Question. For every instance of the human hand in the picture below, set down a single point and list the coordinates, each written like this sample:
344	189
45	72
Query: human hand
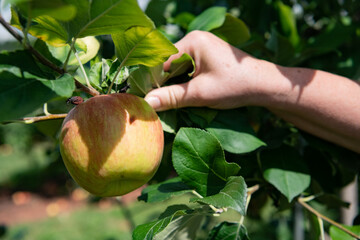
225	76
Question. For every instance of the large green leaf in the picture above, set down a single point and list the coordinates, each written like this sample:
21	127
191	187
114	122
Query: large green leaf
162	191
45	28
97	17
23	95
337	234
177	222
286	171
234	132
233	31
57	9
21	61
184	227
229	231
200	162
233	195
210	19
142	45
288	23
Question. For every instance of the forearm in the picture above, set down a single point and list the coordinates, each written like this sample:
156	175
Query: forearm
321	103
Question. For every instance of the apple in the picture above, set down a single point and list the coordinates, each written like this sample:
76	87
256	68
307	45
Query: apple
112	144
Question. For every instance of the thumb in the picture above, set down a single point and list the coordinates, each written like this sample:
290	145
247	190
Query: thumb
174	96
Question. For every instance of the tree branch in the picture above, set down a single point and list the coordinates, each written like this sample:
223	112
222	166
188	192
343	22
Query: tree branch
319	215
29	120
43	60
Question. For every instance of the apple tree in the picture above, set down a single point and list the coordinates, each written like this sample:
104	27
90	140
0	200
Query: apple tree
231	160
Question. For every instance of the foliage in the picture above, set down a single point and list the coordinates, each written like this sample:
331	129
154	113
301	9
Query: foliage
216	155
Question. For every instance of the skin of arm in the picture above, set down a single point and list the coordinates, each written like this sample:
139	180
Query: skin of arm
321	103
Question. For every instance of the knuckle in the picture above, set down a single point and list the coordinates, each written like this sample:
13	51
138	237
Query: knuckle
173	99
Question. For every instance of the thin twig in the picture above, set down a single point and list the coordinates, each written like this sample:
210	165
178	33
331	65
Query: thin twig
116	75
34	52
43	60
69	54
338	225
29	120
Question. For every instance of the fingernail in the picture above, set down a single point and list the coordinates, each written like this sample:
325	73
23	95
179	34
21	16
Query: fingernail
154	102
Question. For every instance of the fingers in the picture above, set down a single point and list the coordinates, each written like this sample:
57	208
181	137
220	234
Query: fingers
174	96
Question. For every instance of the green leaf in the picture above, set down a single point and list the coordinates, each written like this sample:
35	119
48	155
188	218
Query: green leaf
201	116
233	195
210	19
183	19
22	61
140	81
165	190
286	171
56	9
234	132
176	222
288	23
169	121
337	234
23	95
142	45
100	17
63	86
87	49
233	31
184	227
97	17
45	28
281	46
200	162
229	231
182	65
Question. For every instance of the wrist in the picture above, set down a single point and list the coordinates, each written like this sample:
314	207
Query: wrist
271	86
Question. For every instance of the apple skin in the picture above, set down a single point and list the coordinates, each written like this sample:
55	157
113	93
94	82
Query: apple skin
112	144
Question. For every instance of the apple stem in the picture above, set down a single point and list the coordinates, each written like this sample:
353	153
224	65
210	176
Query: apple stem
82	68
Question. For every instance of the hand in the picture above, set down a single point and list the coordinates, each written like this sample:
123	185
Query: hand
224	76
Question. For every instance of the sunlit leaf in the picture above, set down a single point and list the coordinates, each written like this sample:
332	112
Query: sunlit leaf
208	20
233	31
142	45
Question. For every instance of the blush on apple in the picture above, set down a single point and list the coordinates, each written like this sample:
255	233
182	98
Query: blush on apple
112	144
